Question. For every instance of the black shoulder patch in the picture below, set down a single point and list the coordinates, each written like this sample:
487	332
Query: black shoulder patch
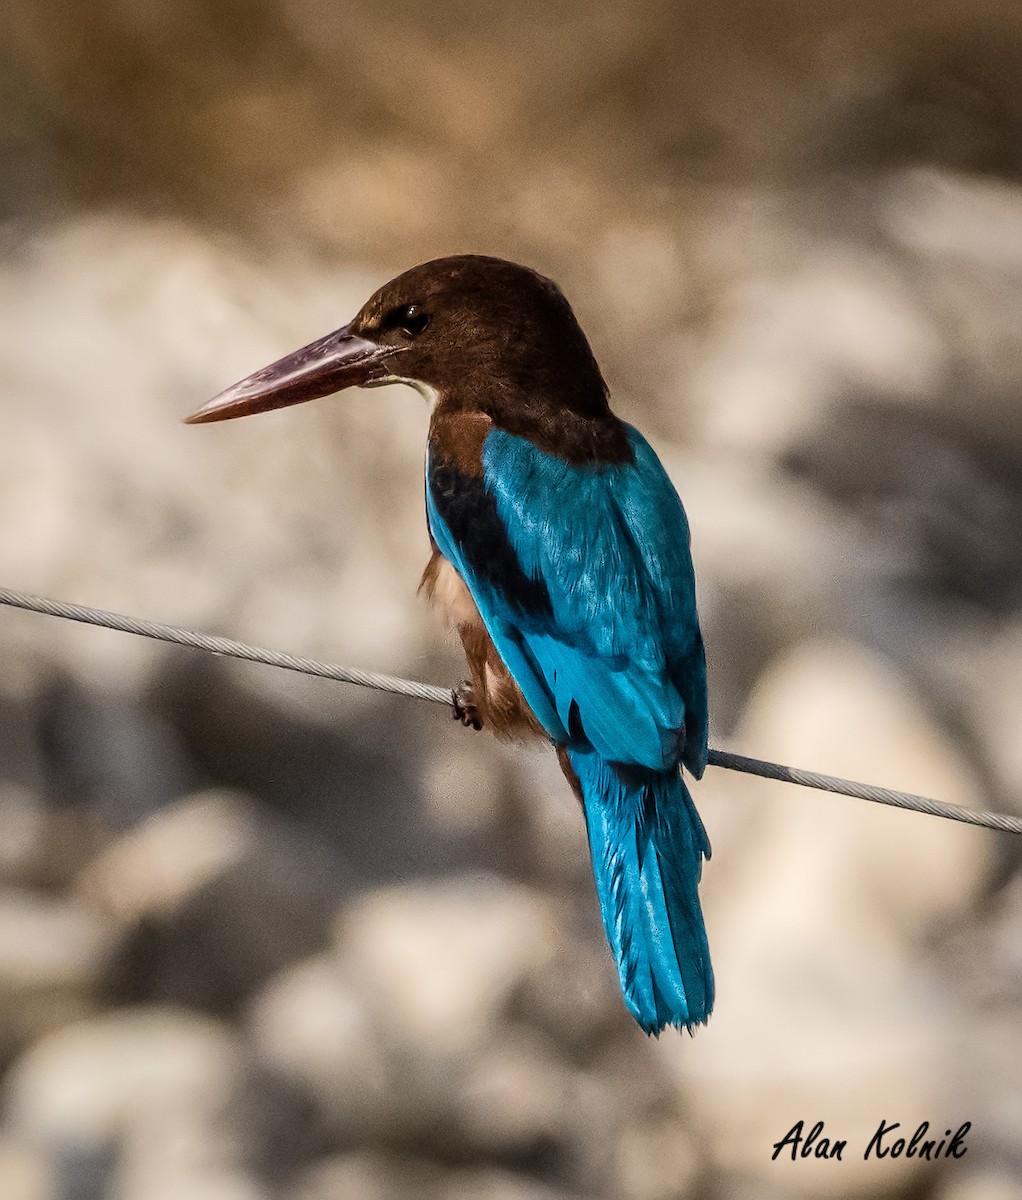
470	513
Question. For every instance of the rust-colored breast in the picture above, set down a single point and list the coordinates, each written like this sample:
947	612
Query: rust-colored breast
456	438
498	698
445	589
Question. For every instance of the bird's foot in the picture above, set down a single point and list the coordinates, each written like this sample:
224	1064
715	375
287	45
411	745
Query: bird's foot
464	704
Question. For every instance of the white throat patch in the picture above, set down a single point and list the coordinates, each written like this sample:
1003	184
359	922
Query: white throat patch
429	394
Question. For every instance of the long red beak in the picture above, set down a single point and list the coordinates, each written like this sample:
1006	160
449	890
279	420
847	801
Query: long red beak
339	360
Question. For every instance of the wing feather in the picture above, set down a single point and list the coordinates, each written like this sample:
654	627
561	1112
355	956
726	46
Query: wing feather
615	658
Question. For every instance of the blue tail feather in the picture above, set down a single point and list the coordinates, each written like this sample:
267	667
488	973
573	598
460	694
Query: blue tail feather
647	844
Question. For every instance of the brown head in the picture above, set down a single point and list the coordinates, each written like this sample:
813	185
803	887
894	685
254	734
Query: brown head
477	332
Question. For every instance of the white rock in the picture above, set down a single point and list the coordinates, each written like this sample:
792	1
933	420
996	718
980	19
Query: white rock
835	708
792	339
110	500
146	1101
167	1155
438	960
172	1146
91	1082
314	1027
154	1182
956	217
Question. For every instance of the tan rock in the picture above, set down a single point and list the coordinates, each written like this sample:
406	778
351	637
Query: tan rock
158	865
491	1184
656	1160
25	1173
52	957
980	1184
25	825
514	1101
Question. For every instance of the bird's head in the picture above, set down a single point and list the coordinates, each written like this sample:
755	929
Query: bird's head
475	331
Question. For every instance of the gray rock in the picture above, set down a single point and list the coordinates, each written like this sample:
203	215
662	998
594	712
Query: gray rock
134	1098
510	1097
410	1033
575	999
212	896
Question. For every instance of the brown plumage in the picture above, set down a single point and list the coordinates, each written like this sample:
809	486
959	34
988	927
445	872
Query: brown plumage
499	331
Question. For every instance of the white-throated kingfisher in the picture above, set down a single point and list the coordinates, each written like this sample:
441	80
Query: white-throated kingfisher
561	554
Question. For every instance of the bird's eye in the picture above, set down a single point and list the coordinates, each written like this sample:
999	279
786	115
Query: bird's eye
411	319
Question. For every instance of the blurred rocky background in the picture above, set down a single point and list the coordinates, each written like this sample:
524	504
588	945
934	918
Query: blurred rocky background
268	938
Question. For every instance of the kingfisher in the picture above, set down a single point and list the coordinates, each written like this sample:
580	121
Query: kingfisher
561	554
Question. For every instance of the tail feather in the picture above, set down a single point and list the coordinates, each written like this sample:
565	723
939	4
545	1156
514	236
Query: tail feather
647	844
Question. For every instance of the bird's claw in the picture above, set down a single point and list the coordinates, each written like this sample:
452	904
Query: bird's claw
464	705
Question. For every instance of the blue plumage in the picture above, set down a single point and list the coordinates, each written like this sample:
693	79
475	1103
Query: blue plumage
586	588
647	844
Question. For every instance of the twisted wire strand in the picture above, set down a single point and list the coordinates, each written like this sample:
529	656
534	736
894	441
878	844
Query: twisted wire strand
864	791
228	647
223	646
